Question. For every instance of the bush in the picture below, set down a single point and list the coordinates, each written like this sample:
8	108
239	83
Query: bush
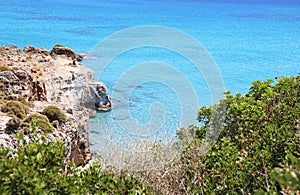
35	170
54	113
287	176
41	120
96	180
38	117
15	108
260	129
38	168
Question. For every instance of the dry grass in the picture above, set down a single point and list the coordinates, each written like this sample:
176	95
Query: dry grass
155	160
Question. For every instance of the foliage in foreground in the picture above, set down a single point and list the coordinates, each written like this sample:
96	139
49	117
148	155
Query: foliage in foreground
39	168
288	177
261	130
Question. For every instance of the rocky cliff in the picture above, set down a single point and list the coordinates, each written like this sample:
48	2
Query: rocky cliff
37	78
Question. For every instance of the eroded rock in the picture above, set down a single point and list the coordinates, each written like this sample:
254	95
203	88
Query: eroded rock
53	78
60	50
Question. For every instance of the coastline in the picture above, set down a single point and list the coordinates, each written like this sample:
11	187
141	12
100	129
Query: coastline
39	78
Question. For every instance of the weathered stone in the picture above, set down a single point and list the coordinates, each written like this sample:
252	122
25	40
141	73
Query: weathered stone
10	76
52	81
10	83
33	50
60	50
95	96
14	50
28	49
23	75
38	91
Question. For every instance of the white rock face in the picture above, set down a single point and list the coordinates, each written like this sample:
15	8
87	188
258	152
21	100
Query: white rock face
53	78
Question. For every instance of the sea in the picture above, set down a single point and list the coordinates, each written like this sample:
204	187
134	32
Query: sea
162	60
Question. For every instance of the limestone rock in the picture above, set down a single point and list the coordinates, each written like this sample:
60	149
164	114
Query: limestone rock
14	50
53	78
61	50
30	49
103	101
11	83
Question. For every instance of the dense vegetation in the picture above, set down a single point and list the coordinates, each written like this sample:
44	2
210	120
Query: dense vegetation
39	168
261	131
257	151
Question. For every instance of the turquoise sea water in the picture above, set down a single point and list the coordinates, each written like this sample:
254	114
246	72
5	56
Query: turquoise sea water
248	40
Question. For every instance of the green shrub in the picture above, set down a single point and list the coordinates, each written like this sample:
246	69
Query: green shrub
15	108
41	121
35	169
287	177
38	117
96	180
39	168
54	113
260	129
4	68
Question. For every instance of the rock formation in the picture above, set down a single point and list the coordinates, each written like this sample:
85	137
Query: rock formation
57	78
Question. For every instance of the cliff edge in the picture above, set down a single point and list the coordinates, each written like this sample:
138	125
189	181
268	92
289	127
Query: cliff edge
34	79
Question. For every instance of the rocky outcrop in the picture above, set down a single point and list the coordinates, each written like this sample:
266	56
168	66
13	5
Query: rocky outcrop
53	78
60	50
